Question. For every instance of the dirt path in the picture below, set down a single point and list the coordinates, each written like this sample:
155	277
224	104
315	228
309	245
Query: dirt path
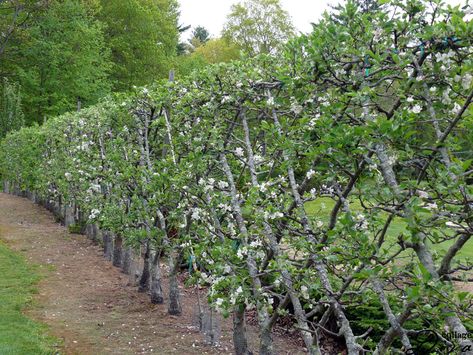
88	303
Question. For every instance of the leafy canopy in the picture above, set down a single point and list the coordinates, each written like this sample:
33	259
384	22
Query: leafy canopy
258	26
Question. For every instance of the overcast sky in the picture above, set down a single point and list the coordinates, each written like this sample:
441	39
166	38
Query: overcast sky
212	13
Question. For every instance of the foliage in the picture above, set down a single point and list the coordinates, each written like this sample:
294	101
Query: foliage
14	14
214	51
221	167
11	113
142	35
258	26
63	59
200	36
218	50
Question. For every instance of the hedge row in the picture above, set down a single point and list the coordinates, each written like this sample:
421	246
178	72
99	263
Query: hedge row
325	184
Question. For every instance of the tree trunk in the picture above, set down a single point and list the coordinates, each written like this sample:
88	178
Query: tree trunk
239	331
69	218
118	251
127	260
107	245
155	288
145	276
174	297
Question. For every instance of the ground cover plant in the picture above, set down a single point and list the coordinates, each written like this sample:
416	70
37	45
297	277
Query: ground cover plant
230	171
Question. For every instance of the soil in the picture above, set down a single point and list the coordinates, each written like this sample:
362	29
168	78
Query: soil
91	306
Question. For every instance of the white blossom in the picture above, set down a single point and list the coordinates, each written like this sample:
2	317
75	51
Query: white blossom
310	173
305	292
431	206
258	159
422	194
416	109
242	252
446	100
94	214
263	187
313	192
362	223
222	185
456	108
239	152
313	121
466	81
295	107
255	244
274	215
196	214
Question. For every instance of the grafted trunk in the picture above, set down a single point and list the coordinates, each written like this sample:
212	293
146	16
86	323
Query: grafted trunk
107	245
175	307
145	275
95	233
58	209
156	281
69	215
239	331
117	251
92	231
127	260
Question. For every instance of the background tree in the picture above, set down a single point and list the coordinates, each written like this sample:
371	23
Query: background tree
218	50
13	15
11	114
182	47
258	26
143	36
62	59
200	36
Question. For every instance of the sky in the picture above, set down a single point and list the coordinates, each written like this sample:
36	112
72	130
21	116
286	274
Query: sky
212	13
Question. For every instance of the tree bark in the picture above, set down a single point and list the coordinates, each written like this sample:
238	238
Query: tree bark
118	251
239	331
174	294
145	275
107	245
156	288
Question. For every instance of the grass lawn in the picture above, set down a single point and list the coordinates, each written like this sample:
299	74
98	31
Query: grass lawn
322	207
18	334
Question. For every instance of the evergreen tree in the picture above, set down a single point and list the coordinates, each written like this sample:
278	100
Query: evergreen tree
200	36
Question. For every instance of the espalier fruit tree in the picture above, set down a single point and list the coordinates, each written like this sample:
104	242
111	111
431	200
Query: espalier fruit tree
364	118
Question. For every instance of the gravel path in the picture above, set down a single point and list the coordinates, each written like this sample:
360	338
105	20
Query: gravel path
88	303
